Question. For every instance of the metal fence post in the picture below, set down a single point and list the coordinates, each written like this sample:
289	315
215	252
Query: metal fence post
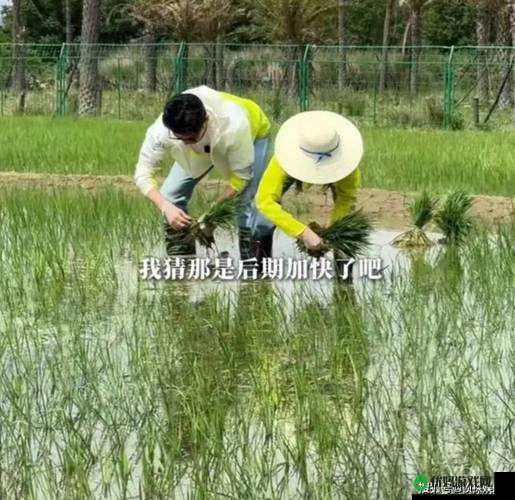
448	90
304	78
180	68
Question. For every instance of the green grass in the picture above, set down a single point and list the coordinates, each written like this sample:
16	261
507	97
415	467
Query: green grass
113	387
395	159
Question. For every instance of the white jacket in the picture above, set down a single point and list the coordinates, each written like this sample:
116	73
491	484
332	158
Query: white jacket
232	148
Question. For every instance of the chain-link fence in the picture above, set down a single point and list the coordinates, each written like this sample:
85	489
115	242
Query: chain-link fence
451	87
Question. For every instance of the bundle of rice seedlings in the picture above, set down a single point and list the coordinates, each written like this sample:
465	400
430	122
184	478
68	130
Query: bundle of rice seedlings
422	211
220	215
349	235
453	218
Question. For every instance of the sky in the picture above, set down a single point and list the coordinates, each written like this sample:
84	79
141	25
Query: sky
2	3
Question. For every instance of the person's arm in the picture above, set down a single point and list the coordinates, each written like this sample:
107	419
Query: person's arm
346	191
268	199
151	154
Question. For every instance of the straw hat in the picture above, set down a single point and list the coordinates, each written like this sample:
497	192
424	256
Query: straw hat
318	147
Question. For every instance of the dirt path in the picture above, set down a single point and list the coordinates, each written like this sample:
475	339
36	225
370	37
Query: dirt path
388	207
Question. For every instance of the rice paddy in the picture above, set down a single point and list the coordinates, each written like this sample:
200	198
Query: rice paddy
115	387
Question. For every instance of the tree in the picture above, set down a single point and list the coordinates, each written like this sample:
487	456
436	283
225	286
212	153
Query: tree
390	8
512	23
483	33
294	22
512	31
450	22
342	67
205	20
503	38
18	37
89	80
68	21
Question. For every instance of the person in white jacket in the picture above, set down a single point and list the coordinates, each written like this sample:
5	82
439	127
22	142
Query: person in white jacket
203	129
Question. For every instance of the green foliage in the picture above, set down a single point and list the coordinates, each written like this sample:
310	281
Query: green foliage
221	215
349	235
422	209
355	104
450	22
395	159
434	107
453	218
292	21
143	388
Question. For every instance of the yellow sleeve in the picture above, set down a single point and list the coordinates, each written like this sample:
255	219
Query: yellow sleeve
268	197
345	195
237	183
259	123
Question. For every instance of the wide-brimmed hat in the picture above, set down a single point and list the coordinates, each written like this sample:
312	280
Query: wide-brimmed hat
318	147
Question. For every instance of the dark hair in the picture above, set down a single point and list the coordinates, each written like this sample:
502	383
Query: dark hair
184	114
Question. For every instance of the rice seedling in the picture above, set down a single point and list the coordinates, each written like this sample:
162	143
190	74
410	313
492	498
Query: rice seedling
453	218
421	211
220	215
111	388
349	235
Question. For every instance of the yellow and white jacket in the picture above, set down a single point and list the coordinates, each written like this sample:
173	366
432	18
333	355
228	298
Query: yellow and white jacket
233	126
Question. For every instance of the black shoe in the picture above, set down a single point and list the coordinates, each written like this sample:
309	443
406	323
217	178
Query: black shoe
245	243
262	249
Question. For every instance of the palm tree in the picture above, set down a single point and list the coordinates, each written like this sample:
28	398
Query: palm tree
295	22
89	80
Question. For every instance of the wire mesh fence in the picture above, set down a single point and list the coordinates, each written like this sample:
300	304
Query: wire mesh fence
451	87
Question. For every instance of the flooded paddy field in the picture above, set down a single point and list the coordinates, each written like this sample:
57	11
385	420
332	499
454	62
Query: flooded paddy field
116	387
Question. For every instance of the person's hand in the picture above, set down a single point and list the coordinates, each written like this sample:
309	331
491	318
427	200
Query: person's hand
176	217
311	240
229	193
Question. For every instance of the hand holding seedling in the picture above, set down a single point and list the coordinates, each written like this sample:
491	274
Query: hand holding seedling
176	217
349	235
311	240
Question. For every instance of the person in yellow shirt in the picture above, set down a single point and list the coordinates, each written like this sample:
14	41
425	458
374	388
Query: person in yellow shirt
311	148
205	129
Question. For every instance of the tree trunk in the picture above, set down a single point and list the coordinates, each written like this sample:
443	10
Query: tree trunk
68	21
395	17
342	67
512	32
386	40
210	65
503	38
89	80
483	38
415	49
150	60
219	57
18	80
